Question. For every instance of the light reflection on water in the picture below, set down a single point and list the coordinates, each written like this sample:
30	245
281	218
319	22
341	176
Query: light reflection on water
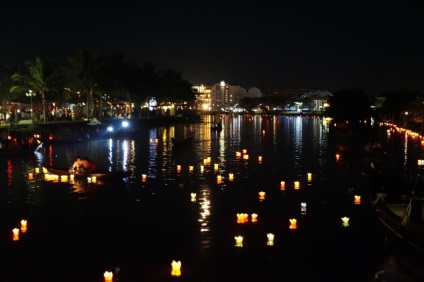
290	147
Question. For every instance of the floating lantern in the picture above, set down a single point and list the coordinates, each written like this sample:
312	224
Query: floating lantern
15	233
238	154
244	151
357	200
190	168
345	221
337	157
108	275
296	185
282	185
231	176
37	170
420	162
254	217
261	195
178	168
176	268
245	157
88	179
239	241
94	179
72	177
303	208
202	168
270	241
193	197
309	177
45	170
23	226
293	223
30	176
63	178
156	141
215	167
151	140
218	179
260	159
144	177
242	217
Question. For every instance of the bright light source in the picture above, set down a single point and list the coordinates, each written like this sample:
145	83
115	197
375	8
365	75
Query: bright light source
125	123
109	128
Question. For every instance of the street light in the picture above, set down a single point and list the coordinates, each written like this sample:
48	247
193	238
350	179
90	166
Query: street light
31	94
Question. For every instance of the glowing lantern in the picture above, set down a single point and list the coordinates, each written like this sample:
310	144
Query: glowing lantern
239	241
37	170
260	159
245	157
293	223
190	168
244	151
254	217
94	179
296	185
30	176
337	157
143	177
345	221
88	179
303	208
309	176
63	178
242	217
156	141
193	197
24	225
202	168
231	176
357	200
270	241
218	179
15	233
45	170
282	185
72	177
178	168
176	268
238	154
108	275
215	167
261	195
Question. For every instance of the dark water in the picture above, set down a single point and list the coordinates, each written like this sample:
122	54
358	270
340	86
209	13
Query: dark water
136	228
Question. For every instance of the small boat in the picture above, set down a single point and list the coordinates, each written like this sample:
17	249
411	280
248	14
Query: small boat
103	176
182	140
216	127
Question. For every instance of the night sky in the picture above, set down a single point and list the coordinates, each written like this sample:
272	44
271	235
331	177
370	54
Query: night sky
372	45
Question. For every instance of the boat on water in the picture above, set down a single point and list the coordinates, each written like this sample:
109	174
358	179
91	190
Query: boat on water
103	176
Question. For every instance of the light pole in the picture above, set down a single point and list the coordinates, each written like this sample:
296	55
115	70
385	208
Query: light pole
31	94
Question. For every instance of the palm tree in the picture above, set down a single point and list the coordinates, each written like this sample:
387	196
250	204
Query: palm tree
40	77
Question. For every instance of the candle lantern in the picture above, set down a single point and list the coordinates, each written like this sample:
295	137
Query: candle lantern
282	185
15	233
245	157
242	217
238	154
30	176
296	185
260	159
176	268
190	168
254	217
215	167
218	179
231	176
239	241
309	177
94	179
23	226
193	197
108	275
357	200
345	221
293	223
202	168
178	168
244	151
144	177
63	178
37	170
261	195
303	208
270	241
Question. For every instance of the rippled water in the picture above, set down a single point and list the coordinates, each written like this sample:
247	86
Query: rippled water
136	228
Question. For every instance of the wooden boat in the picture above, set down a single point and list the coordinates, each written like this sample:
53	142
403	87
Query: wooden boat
103	176
182	140
402	218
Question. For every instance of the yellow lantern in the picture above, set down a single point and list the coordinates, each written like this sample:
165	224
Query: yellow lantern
193	197
108	275
178	168
345	221
231	176
296	185
219	179
94	179
143	177
30	176
37	170
244	151
254	217
261	195
63	178
293	223
45	170
282	185
260	159
190	168
238	154
23	225
15	233
309	176
72	177
176	268
202	168
245	157
239	241
270	241
357	200
216	166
